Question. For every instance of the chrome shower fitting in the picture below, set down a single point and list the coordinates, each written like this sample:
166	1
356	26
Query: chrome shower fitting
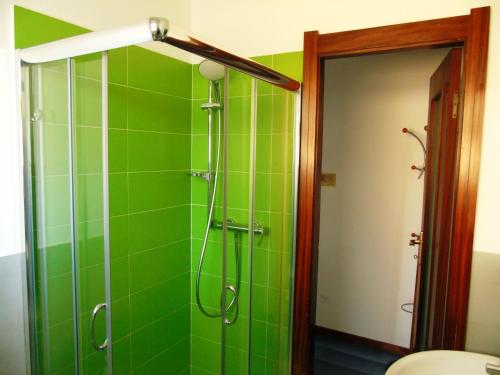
213	72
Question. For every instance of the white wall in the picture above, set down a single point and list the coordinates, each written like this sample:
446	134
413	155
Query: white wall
366	267
11	229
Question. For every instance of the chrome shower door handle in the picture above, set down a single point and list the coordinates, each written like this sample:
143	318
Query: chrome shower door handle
104	345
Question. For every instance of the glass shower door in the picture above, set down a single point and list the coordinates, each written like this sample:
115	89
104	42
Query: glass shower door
69	243
259	179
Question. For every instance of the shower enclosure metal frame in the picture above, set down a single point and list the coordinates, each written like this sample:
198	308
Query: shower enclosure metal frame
154	29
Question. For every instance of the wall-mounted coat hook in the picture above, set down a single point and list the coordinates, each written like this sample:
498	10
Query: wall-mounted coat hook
413	167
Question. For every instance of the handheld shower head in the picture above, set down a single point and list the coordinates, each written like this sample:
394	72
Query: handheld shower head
211	70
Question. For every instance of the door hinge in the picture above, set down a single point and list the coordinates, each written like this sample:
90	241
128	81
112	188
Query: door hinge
456	102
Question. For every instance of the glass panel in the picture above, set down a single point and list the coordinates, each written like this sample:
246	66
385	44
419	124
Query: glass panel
273	252
52	231
68	244
238	255
150	213
89	198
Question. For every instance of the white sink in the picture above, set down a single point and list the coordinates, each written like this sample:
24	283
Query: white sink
441	362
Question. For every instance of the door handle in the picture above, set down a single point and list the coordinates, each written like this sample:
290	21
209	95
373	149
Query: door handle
416	240
104	345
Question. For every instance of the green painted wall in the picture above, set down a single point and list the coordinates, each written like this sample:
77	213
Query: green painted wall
157	133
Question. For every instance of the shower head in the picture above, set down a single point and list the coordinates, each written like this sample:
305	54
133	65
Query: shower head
211	70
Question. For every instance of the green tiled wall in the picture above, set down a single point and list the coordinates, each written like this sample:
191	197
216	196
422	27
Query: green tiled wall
149	138
157	133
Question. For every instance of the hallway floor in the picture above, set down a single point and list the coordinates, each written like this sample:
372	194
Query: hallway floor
337	356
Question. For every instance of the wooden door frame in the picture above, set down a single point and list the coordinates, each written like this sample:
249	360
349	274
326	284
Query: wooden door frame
470	31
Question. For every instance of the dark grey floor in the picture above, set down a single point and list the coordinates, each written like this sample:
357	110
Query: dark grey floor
335	356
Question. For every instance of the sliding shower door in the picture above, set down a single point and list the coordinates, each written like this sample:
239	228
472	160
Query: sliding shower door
258	241
69	246
276	126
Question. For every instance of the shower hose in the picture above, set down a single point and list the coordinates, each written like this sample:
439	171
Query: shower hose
233	289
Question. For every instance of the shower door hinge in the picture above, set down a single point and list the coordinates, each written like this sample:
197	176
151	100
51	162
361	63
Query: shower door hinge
456	102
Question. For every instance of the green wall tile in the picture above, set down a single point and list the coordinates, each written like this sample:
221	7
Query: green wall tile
239	115
57	258
237	335
117	152
153	339
120	278
117	66
155	302
58	301
238	152
153	190
205	354
262	190
60	351
199	152
238	193
157	228
158	112
117	107
54	94
89	197
87	102
121	357
174	360
199	118
210	289
264	114
203	326
55	146
240	84
151	71
91	287
257	365
88	150
90	243
118	194
151	267
199	194
258	344
88	66
118	236
212	264
149	151
199	84
94	363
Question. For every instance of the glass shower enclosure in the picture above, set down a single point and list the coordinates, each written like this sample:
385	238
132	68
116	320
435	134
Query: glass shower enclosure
117	144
